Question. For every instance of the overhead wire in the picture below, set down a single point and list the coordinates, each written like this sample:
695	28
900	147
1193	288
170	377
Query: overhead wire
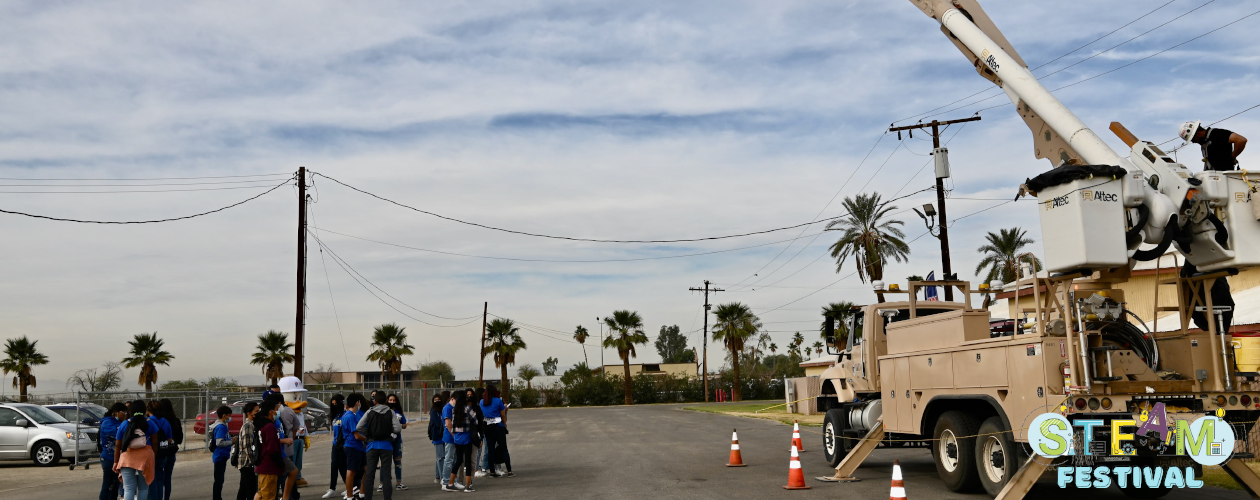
141	179
122	191
153	221
328	281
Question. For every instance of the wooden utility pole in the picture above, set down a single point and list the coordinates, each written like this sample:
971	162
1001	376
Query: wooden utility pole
299	337
935	125
705	335
481	377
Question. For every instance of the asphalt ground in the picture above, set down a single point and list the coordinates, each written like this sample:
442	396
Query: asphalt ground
637	452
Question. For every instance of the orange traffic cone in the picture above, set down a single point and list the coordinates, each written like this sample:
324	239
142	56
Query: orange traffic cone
796	476
736	459
796	436
898	491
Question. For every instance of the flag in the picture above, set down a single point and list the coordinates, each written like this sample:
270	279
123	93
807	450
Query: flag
929	293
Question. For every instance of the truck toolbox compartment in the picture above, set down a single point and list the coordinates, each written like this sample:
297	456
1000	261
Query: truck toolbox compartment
980	368
938	331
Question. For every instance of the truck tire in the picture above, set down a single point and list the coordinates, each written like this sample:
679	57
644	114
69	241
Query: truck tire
954	451
835	447
996	456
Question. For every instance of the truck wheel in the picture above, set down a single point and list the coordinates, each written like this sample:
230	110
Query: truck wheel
996	457
834	445
954	450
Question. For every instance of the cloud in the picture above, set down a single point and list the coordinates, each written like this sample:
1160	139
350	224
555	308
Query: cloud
650	120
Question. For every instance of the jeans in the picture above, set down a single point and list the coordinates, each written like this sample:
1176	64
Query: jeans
162	470
381	458
109	483
487	451
338	466
134	487
498	434
397	454
440	464
216	491
249	484
448	461
299	449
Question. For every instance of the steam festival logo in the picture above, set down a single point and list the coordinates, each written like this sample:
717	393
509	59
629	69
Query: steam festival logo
1208	440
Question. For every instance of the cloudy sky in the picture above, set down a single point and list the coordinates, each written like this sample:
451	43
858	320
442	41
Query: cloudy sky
641	120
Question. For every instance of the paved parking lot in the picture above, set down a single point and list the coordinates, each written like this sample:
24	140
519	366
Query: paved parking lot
638	452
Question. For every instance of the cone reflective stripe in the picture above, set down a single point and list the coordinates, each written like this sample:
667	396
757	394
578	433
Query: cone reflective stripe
898	491
736	459
796	436
796	476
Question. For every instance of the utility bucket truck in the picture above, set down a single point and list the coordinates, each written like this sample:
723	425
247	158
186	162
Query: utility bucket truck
933	374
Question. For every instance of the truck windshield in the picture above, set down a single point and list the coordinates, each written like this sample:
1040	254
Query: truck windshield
904	314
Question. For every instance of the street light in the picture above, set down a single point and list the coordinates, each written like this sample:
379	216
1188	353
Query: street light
929	218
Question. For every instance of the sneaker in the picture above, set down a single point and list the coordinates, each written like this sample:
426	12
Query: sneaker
380	487
448	488
330	494
459	485
469	489
401	486
510	474
480	473
300	483
437	481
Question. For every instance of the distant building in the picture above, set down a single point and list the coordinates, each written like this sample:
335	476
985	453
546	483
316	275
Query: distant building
673	369
816	366
366	378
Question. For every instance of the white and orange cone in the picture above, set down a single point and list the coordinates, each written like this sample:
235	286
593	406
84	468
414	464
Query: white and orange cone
898	491
737	460
796	476
796	436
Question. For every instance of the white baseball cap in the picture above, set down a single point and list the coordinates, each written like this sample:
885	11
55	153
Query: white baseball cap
291	384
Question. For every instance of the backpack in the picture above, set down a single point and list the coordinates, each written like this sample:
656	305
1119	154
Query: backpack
136	438
380	426
338	439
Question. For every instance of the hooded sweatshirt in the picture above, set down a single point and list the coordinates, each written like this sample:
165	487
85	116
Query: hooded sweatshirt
380	411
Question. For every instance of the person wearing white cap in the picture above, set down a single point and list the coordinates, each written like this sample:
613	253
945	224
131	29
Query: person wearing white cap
1220	147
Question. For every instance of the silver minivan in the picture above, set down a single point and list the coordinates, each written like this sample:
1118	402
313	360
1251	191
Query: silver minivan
32	432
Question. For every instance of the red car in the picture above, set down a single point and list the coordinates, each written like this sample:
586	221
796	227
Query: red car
234	426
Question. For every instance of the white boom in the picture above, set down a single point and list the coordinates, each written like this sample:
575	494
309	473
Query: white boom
1209	213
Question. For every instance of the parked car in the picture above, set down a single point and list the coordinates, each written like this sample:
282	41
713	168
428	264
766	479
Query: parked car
84	413
234	427
316	413
32	432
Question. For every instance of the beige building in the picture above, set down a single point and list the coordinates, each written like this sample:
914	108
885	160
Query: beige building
673	369
817	366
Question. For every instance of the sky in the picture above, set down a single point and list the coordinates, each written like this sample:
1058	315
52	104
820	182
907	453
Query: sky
603	120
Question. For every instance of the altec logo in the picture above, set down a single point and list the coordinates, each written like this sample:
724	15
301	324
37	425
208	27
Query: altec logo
1207	440
1060	201
1100	196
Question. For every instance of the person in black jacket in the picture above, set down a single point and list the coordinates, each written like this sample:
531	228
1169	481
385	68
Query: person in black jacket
1221	147
435	433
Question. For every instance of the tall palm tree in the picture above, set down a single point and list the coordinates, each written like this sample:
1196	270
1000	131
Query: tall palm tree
389	345
869	236
1001	252
818	348
272	354
625	331
504	341
794	348
527	372
835	310
20	355
735	324
147	353
580	334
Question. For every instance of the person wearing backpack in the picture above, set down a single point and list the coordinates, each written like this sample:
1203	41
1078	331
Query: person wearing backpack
380	426
220	449
246	454
435	434
271	463
354	449
134	450
337	458
105	444
461	424
165	450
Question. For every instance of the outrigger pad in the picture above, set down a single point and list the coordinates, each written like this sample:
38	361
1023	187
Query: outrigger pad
834	479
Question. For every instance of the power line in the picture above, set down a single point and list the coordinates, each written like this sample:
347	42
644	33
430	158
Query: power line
570	238
328	281
354	274
118	191
518	259
141	179
256	181
60	219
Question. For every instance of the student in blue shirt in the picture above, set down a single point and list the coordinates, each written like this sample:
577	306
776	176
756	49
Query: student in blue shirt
221	449
356	452
448	441
380	447
398	443
495	413
435	434
461	425
105	442
337	460
165	441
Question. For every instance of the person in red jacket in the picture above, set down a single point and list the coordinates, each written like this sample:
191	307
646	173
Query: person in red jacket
270	460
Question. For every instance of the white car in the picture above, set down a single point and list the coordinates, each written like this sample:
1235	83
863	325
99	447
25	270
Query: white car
32	432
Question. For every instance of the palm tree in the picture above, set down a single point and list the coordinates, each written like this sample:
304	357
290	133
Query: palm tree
915	277
869	237
735	324
808	353
527	372
21	354
1001	254
625	330
273	353
580	334
794	347
389	345
818	348
837	310
504	341
147	353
